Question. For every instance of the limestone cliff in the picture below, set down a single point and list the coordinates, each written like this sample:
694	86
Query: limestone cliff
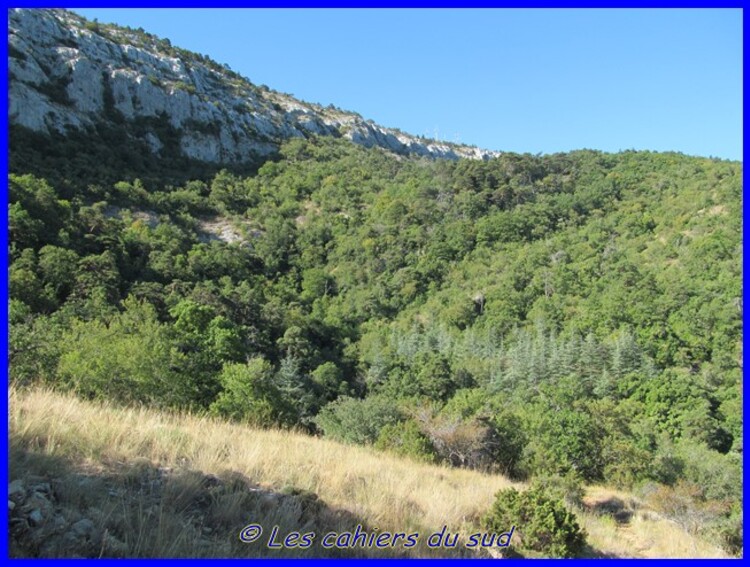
68	73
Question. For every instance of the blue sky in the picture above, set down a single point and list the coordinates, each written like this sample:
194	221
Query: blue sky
538	81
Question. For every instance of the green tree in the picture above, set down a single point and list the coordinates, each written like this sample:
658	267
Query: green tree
249	394
58	268
129	359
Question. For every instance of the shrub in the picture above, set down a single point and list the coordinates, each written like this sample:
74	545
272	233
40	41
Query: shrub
728	530
568	488
92	26
542	524
130	359
508	452
461	443
704	498
626	463
182	86
249	395
564	441
684	504
405	438
357	421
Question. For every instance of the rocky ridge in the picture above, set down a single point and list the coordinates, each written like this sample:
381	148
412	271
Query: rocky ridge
69	73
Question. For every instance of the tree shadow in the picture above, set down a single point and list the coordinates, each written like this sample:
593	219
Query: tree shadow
613	507
60	508
591	552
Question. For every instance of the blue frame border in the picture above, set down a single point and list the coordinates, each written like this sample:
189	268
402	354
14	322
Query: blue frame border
4	550
382	4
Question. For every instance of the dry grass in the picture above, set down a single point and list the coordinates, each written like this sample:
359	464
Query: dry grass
390	493
645	535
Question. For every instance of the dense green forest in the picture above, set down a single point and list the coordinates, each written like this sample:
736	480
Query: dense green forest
571	316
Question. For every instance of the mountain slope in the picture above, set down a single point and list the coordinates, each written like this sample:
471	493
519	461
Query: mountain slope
66	72
560	319
573	315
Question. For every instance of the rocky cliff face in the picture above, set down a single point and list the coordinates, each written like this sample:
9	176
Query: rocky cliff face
68	73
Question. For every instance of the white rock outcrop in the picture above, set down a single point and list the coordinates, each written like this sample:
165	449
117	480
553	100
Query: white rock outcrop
68	73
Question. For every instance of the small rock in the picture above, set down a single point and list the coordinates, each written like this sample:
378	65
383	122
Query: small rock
38	501
35	517
58	523
11	505
83	528
16	490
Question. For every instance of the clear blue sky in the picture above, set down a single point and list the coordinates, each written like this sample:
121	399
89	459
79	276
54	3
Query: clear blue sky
537	81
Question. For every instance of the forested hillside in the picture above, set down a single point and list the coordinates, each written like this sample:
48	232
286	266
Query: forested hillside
561	319
575	315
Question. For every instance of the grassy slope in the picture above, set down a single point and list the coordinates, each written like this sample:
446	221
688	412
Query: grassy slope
63	440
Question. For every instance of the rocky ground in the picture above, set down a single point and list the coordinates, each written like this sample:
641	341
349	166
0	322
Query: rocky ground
152	511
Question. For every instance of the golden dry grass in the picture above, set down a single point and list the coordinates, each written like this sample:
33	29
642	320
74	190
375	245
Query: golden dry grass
645	538
646	535
390	493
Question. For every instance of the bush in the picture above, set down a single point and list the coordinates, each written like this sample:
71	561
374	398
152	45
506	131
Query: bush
461	443
705	495
130	359
563	441
508	452
249	395
405	438
568	488
728	531
685	506
182	86
542	524
357	421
